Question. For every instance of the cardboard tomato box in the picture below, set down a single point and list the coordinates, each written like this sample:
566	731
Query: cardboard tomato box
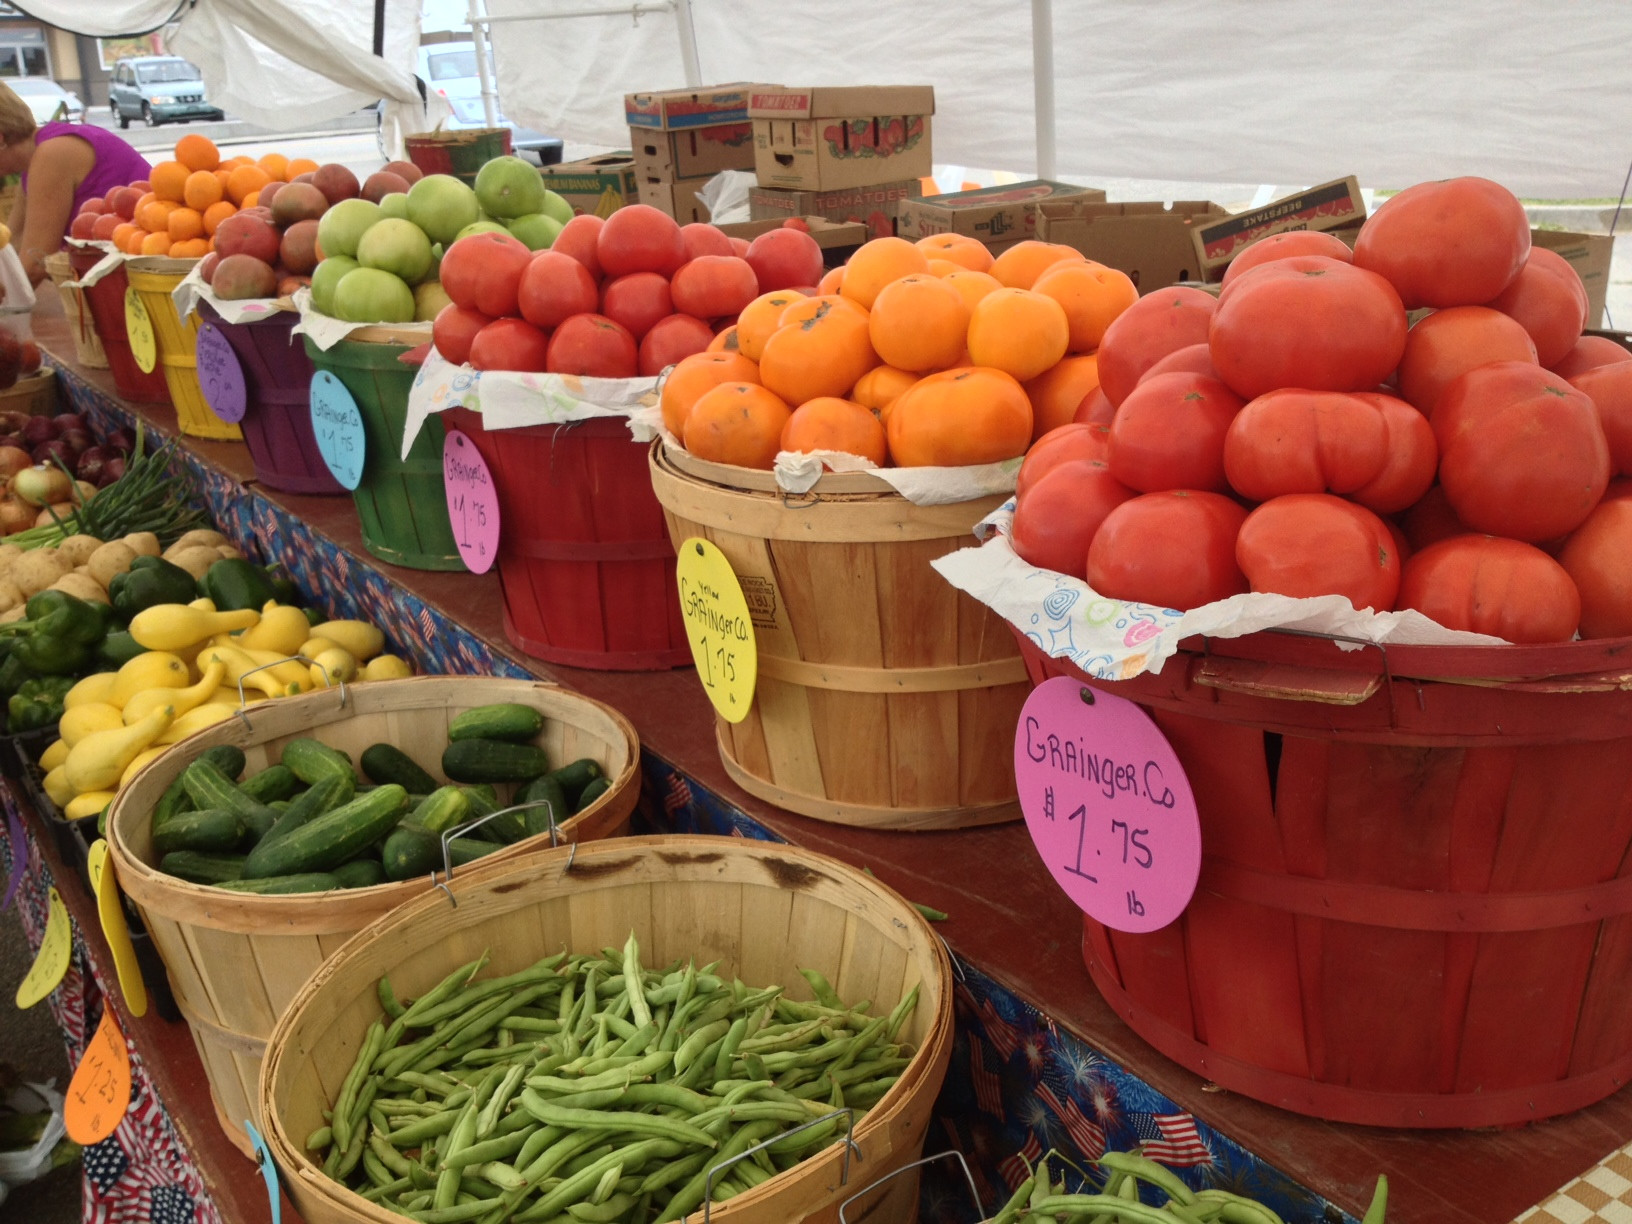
998	216
669	110
696	152
845	136
596	185
1330	206
875	207
1150	241
677	197
1589	255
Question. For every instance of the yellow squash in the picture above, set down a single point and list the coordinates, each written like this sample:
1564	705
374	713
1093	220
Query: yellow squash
155	669
87	804
57	788
196	719
53	756
180	700
139	761
178	626
83	720
283	630
241	668
98	760
98	687
360	638
387	667
333	666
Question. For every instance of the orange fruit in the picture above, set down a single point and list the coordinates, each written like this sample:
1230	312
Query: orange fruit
217	213
298	166
202	189
960	417
694	375
760	318
1017	331
276	165
810	307
185	223
243	180
918	323
1021	265
169	180
881	386
875	264
132	244
830	282
1058	392
959	249
156	244
943	267
830	423
724	341
252	199
1092	297
823	354
155	217
143	200
122	232
972	285
737	422
191	248
197	152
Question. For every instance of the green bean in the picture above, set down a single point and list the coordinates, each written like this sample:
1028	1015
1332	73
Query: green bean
529	1024
573	1188
618	1077
319	1138
1233	1209
613	1208
1184	1215
900	1012
691	1194
388	1155
452	1214
781	1037
489	1150
469	995
415	1133
376	1194
341	1121
1147	1170
388	998
643	1124
376	1172
538	1139
699	1041
673	1171
353	1154
464	1131
500	1175
633	985
1101	1204
825	994
488	1119
584	1159
442	991
605	1187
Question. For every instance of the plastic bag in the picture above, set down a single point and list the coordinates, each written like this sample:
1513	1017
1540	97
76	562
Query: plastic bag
19	294
726	195
20	1167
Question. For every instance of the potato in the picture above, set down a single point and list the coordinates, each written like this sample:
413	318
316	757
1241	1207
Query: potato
229	553
8	554
78	549
109	561
145	543
10	596
81	586
13	614
195	560
211	539
36	571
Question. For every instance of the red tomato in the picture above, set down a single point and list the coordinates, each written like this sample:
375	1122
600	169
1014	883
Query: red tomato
454	328
1431	520
483	272
1456	242
1192	359
1598	558
1610	389
1413	457
1282	246
1488	584
1293	441
1549	301
1057	518
554	288
739	246
638	238
510	344
1521	451
713	286
1309	544
1174	549
669	340
1149	330
1307	321
702	238
592	345
1589	353
637	301
1062	445
784	258
1095	409
1446	344
1169	434
580	239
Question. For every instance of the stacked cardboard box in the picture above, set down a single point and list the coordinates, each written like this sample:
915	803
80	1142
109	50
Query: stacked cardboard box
596	185
1150	241
847	153
682	138
997	216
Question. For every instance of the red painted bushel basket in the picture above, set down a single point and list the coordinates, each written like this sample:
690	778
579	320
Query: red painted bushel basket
277	422
585	561
1415	904
107	300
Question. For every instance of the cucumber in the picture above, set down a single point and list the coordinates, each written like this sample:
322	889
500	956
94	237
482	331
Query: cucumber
312	760
410	851
228	759
591	793
304	882
360	873
384	763
211	788
199	867
212	829
323	796
330	839
445	808
484	801
462	850
174	800
574	777
273	783
543	790
490	760
506	720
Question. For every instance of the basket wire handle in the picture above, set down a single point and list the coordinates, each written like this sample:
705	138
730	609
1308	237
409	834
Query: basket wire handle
449	834
974	1192
243	697
850	1145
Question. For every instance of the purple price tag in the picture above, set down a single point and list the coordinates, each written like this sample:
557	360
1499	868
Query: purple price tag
473	502
19	857
1107	805
220	376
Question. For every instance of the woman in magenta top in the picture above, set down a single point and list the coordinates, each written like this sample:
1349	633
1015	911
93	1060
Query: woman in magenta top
62	166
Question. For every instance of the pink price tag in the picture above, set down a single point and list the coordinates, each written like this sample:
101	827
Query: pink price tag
220	376
473	502
1107	804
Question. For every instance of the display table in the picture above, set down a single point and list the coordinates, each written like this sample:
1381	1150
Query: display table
1040	1060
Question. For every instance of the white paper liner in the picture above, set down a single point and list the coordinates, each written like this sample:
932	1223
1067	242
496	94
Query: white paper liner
192	290
1113	639
326	332
110	260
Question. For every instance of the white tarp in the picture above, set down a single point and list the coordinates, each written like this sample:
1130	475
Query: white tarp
1249	91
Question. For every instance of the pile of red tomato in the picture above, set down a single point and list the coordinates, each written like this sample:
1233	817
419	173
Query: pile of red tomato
615	298
1299	434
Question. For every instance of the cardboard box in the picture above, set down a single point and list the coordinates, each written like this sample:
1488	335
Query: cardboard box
825	139
836	238
671	110
597	185
1330	206
677	197
1589	255
997	216
693	152
1149	241
875	206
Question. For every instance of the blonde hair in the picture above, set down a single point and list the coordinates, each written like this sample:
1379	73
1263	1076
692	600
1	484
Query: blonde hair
16	120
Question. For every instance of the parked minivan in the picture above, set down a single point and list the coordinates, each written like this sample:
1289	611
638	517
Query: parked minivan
158	89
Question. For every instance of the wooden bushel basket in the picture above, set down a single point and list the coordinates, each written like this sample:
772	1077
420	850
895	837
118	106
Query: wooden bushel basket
886	698
236	960
762	909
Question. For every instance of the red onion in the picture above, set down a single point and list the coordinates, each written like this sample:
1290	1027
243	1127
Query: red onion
111	471
40	429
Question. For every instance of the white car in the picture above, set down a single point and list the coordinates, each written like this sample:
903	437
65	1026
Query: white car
46	99
449	69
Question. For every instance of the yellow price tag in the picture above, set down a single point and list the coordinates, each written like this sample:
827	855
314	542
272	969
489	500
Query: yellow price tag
717	625
112	914
139	330
51	962
99	1093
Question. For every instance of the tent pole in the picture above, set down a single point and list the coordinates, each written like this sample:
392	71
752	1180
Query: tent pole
1042	75
688	44
484	74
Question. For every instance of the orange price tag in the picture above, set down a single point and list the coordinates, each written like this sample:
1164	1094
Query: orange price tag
99	1093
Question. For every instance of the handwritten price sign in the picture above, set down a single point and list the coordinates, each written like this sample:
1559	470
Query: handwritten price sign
51	962
220	376
717	624
99	1093
1107	805
339	429
139	331
473	502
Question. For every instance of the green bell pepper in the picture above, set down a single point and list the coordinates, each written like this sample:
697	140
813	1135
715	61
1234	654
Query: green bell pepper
284	589
57	634
37	703
232	584
150	581
117	649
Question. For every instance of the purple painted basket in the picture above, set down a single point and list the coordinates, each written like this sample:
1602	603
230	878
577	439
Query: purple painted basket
277	420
